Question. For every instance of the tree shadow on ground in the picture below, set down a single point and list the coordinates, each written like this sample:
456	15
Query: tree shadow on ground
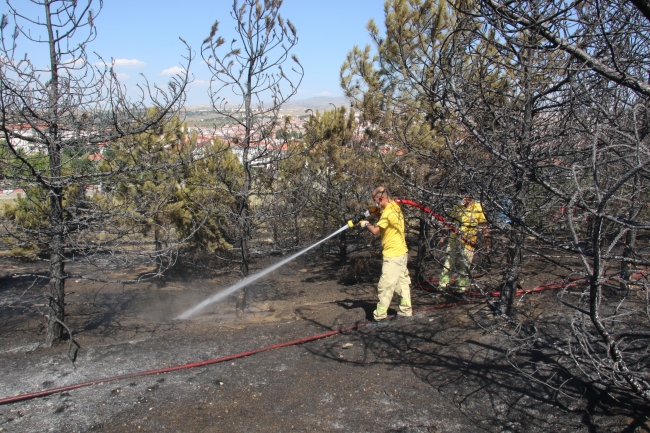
110	312
470	368
106	314
23	282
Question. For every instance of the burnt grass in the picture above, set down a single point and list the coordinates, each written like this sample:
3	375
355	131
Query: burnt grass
444	370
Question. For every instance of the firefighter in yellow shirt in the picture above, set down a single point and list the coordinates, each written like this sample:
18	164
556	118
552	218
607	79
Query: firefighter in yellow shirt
468	217
394	274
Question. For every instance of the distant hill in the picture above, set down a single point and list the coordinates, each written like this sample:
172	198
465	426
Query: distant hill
321	103
298	106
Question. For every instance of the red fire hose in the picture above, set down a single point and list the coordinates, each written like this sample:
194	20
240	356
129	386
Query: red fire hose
569	282
573	281
50	391
446	223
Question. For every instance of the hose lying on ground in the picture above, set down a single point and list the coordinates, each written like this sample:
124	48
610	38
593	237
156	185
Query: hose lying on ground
570	282
21	397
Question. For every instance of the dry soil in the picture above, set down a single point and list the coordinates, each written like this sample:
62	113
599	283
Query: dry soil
444	370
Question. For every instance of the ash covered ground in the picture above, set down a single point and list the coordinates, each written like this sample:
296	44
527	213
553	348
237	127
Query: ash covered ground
443	370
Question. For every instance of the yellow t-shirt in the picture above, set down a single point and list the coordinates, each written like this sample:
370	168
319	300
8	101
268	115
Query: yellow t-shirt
392	231
468	219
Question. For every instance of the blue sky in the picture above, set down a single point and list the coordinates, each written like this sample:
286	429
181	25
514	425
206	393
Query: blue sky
143	38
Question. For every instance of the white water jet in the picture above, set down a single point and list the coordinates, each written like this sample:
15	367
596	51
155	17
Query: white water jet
238	285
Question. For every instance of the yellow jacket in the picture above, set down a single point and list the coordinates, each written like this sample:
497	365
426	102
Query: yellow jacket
468	220
392	231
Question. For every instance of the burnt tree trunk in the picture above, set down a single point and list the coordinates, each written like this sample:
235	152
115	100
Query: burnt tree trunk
511	273
422	249
56	304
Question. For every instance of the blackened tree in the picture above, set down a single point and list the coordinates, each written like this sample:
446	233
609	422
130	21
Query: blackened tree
56	118
251	67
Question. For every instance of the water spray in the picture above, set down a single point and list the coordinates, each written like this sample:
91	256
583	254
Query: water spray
238	285
576	281
242	283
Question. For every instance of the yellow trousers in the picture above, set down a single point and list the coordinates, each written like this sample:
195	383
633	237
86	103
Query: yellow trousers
394	279
458	257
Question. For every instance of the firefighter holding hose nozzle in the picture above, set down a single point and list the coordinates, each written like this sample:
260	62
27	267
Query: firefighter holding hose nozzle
394	274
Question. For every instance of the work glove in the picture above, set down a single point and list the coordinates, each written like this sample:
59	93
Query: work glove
363	224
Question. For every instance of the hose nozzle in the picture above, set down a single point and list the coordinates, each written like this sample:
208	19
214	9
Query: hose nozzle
352	222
